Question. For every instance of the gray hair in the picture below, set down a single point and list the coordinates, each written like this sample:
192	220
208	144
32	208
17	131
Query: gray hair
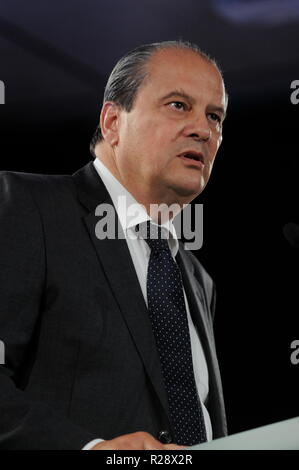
130	72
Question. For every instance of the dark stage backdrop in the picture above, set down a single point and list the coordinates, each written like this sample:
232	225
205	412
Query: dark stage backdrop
52	104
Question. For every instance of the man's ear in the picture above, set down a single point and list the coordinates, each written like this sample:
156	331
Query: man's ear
109	122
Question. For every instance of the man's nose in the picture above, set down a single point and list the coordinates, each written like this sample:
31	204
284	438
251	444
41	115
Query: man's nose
199	129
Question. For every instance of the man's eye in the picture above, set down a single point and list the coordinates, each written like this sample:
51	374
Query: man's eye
215	117
178	105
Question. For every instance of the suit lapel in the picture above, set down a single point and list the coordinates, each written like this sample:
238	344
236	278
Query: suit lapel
198	311
115	260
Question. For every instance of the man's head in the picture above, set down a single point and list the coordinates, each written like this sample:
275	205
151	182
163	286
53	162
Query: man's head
162	101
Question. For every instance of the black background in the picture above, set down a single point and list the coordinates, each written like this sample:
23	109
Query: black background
55	59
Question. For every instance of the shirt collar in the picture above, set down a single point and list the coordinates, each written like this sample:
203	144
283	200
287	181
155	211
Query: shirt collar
129	211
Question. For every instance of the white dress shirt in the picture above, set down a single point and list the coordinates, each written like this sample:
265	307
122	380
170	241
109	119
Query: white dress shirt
140	254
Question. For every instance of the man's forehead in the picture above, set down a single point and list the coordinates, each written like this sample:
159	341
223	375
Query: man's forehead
177	68
176	59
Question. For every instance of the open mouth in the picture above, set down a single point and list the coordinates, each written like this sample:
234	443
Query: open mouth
195	156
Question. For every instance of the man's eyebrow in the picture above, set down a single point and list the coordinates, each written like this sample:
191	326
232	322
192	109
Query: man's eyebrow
185	96
181	94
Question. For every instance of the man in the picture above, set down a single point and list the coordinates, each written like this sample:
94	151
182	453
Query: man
84	352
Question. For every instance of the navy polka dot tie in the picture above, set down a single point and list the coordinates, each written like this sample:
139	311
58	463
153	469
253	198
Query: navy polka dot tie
167	311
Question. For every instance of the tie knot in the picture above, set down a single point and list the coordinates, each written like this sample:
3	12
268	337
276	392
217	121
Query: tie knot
154	235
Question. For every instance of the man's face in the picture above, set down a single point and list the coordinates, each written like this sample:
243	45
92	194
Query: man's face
178	111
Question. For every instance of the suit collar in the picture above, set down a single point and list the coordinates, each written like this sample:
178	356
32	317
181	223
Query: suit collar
91	190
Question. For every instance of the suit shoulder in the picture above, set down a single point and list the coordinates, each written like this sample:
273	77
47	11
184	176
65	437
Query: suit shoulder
18	185
16	178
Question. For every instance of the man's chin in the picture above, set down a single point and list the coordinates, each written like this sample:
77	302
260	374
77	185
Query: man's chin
188	191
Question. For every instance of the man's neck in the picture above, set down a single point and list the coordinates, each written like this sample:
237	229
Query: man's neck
160	207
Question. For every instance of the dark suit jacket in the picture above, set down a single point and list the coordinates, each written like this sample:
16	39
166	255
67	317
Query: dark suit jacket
80	358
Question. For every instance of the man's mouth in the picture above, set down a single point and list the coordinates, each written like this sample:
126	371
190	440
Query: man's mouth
191	155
